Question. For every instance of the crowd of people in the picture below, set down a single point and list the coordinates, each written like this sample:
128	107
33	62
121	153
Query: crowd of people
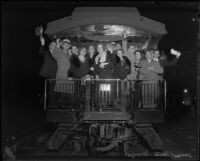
110	60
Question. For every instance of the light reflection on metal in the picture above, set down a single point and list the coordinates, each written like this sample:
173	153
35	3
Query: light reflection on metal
118	30
104	87
106	30
185	90
91	28
111	32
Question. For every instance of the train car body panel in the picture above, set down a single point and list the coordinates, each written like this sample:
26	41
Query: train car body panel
83	16
107	24
149	116
62	116
107	116
104	100
137	117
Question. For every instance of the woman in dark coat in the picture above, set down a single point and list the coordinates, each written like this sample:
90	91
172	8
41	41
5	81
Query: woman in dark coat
80	65
73	60
103	63
122	65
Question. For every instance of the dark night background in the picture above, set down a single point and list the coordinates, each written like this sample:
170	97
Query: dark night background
21	61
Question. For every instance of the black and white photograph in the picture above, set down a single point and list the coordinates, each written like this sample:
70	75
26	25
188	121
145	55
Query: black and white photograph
100	80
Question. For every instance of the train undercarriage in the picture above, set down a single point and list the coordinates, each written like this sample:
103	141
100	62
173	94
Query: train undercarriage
107	139
105	129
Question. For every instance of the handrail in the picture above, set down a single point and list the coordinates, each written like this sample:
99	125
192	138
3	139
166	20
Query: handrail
118	88
107	79
165	95
45	94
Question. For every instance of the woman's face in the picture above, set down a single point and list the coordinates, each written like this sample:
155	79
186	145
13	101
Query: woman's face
74	50
100	48
83	52
91	49
120	53
138	55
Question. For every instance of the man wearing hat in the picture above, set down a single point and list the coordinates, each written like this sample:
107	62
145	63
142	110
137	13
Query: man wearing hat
61	55
64	44
49	66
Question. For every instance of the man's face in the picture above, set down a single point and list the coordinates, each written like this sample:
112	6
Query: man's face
138	55
91	49
151	51
100	48
118	46
148	56
156	54
65	45
113	43
110	47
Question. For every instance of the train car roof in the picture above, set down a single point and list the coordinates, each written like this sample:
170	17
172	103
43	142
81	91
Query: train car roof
123	16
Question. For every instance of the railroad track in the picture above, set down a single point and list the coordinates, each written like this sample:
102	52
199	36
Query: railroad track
44	156
10	149
31	154
176	133
181	145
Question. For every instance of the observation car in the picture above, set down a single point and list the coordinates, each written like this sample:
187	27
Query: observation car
104	115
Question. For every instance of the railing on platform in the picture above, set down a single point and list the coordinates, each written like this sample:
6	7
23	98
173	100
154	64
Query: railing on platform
104	95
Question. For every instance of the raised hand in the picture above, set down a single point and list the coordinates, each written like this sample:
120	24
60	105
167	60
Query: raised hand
42	40
178	54
146	44
124	35
58	43
101	65
41	30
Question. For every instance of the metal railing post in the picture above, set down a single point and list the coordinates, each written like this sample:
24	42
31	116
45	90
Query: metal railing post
165	95
88	95
117	93
45	94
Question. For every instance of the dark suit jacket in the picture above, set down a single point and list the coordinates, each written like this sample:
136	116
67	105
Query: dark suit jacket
165	63
49	66
122	69
107	71
78	68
